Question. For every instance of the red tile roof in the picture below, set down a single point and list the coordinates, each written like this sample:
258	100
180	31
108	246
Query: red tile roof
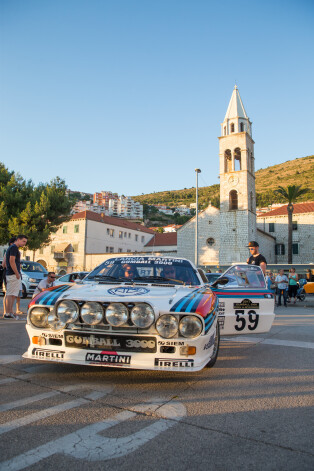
298	208
124	223
162	239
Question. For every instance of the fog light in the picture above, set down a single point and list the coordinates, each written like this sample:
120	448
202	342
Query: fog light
186	350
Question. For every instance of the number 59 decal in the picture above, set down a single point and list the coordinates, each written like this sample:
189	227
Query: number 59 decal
252	321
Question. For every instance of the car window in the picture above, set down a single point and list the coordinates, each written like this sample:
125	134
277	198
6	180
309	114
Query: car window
64	278
247	276
141	269
33	267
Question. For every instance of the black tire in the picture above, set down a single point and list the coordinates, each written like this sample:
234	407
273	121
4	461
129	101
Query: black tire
213	359
24	292
302	297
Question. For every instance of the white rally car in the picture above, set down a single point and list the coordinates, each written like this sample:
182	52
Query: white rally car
153	313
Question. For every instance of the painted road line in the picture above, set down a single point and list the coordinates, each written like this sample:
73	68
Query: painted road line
281	343
38	397
18	378
88	445
43	414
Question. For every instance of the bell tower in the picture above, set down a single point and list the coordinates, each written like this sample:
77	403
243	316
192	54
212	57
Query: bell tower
237	183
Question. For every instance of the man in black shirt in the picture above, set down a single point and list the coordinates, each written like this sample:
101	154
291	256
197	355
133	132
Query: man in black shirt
256	258
13	274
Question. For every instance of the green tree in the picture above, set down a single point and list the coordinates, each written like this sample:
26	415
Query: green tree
36	211
290	194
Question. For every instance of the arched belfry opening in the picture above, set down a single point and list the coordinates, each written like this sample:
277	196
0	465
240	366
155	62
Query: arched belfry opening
228	161
233	200
237	159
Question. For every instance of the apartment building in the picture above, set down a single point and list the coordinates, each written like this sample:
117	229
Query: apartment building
89	238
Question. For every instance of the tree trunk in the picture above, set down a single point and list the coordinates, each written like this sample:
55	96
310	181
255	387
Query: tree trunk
290	211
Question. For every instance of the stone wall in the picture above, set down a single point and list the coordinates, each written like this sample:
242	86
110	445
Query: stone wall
303	236
208	238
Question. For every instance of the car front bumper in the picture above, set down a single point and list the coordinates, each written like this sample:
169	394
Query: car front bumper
135	351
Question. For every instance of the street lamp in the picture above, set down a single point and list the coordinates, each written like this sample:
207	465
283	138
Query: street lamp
197	171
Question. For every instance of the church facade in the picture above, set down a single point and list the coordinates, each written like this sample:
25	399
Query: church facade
224	234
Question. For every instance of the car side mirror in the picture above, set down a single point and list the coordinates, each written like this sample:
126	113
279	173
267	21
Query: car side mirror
220	281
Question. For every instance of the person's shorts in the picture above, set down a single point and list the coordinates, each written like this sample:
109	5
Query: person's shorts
13	285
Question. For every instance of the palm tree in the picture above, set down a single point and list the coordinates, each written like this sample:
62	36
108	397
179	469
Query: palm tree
291	193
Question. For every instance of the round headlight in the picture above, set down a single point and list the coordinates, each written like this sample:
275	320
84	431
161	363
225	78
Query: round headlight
117	314
39	317
55	323
167	326
67	311
190	326
142	315
92	313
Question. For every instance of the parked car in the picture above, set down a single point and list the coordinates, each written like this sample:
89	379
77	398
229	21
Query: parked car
153	313
71	277
211	277
32	274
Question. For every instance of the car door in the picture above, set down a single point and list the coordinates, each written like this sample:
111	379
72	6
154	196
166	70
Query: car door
245	306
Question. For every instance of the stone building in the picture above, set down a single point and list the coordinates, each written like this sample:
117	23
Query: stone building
83	242
275	224
224	234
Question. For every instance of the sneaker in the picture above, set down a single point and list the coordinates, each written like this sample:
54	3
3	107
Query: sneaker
9	316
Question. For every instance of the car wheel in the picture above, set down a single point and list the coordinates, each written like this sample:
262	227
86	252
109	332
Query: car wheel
24	292
213	359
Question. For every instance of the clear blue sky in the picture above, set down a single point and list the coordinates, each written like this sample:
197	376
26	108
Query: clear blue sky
128	95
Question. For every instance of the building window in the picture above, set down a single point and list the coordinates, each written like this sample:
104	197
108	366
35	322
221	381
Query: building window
210	241
295	249
111	249
142	239
119	250
237	159
294	225
228	161
233	200
107	248
136	237
65	229
120	234
76	228
108	231
75	247
241	127
271	227
41	250
129	235
279	249
232	128
225	131
125	234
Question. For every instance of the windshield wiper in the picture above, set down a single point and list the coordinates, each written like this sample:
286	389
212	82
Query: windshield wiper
102	277
157	278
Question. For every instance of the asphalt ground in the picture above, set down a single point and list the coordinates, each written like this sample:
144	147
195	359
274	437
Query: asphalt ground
253	410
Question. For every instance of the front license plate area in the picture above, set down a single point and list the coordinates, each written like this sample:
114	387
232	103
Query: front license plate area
121	343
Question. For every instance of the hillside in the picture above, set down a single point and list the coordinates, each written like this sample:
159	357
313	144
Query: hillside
299	171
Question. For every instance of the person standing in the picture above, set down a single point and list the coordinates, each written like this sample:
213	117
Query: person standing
46	283
293	284
282	285
13	274
256	258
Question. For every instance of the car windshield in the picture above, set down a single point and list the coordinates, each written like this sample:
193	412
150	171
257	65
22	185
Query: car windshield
145	269
248	276
211	277
33	267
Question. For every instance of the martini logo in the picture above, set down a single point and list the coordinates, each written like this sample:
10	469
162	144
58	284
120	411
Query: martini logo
128	291
108	358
